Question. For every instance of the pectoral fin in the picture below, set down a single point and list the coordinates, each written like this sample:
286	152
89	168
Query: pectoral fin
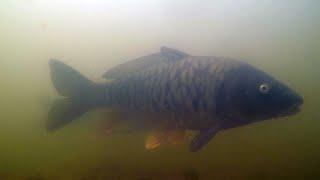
202	138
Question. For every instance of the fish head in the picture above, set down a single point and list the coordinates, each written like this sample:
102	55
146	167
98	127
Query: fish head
251	94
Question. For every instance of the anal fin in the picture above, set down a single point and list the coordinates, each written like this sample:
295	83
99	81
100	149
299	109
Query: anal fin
176	136
157	138
154	140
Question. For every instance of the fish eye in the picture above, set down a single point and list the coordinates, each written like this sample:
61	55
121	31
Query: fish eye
264	88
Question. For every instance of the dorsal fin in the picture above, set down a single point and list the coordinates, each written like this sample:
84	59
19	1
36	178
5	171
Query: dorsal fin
172	54
165	55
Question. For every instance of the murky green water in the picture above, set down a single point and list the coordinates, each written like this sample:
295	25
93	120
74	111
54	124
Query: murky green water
282	38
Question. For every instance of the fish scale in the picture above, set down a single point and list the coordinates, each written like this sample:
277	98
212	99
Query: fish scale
181	80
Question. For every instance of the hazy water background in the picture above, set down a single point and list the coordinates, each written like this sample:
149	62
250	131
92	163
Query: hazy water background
280	37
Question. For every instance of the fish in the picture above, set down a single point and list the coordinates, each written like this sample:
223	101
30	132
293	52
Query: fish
172	91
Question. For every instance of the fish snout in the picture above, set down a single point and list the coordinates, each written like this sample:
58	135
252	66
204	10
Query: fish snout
297	99
296	102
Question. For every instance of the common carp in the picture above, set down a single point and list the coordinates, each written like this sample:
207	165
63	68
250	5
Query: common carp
177	92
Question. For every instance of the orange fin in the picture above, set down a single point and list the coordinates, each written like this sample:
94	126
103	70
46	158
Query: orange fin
176	136
110	121
107	126
108	129
154	140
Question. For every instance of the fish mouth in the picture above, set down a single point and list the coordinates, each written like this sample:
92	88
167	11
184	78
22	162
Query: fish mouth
296	108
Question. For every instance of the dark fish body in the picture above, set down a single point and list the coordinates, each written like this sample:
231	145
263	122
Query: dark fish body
200	93
187	90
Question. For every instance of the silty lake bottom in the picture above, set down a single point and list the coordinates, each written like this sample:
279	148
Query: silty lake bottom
281	38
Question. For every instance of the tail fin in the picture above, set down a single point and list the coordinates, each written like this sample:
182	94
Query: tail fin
80	94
